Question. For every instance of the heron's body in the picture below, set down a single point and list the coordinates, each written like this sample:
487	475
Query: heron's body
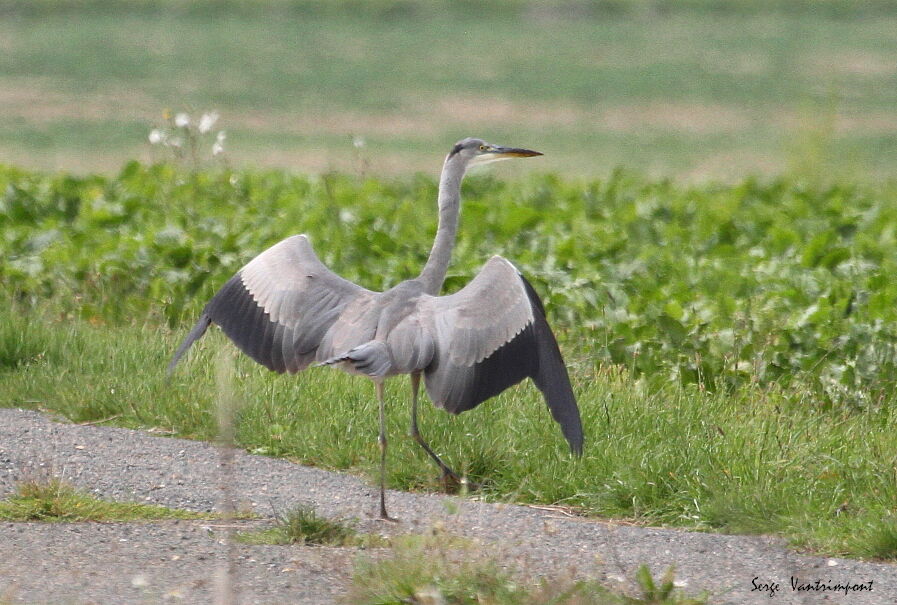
384	331
287	310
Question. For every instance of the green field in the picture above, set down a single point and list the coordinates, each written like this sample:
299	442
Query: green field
732	347
698	90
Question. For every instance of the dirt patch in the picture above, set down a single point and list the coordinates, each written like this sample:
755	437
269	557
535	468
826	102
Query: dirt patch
689	118
72	160
361	163
685	118
497	111
739	64
823	120
6	43
336	122
36	101
294	158
855	63
870	123
735	165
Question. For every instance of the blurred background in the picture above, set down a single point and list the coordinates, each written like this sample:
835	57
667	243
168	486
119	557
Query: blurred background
696	90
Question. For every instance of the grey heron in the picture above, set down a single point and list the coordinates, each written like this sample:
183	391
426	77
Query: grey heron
286	310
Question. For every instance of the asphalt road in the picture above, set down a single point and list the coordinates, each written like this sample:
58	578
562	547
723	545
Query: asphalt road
182	561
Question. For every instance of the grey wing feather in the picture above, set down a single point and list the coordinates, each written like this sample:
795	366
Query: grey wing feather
491	335
278	307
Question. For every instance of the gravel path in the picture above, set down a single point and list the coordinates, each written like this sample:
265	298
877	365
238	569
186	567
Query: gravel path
179	561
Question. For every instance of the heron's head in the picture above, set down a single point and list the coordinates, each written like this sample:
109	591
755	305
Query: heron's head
477	151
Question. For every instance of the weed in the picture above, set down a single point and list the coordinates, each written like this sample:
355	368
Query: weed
57	501
303	525
654	593
880	542
183	137
431	571
23	342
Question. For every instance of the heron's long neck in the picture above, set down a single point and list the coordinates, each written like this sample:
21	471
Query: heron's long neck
433	273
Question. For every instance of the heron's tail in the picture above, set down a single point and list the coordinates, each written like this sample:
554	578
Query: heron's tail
195	334
371	359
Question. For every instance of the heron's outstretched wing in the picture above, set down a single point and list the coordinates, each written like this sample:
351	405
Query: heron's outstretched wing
493	334
278	307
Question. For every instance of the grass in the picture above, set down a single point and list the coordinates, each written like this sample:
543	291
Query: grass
429	572
22	343
56	501
693	93
303	526
754	460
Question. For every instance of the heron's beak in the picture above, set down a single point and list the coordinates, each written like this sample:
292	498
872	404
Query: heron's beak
500	153
494	153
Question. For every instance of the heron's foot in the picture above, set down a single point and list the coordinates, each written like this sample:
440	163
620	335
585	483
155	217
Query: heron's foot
384	516
453	484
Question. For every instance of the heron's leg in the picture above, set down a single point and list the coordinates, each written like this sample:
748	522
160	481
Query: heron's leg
415	433
382	441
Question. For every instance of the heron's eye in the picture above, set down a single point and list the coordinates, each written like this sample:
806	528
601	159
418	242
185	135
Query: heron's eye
482	148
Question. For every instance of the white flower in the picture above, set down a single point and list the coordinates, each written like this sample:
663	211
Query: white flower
358	142
156	136
218	145
207	121
182	120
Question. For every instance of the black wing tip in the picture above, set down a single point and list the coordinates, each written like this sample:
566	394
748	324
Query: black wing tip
566	413
576	446
552	377
195	334
244	321
532	294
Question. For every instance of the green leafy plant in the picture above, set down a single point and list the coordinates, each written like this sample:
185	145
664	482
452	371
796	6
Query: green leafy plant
757	283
